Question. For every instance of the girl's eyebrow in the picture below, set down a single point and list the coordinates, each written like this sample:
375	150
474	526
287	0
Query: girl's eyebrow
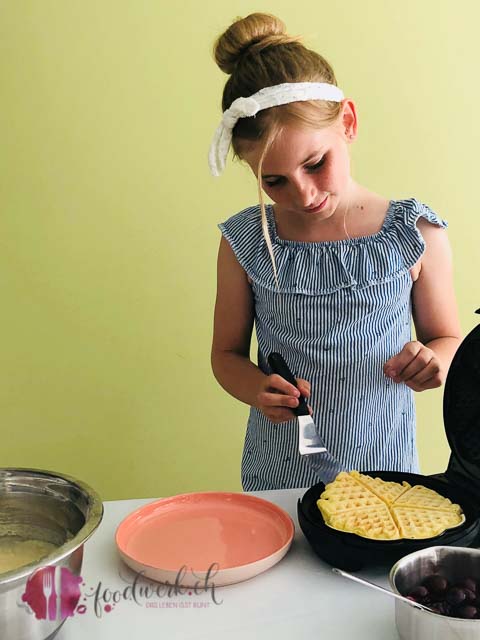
277	175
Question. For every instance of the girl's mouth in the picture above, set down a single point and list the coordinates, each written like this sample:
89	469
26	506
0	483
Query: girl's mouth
318	207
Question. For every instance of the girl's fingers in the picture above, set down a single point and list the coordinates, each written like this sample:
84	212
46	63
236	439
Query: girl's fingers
431	383
304	387
279	384
421	368
432	370
429	377
414	363
267	399
412	359
279	397
278	415
395	366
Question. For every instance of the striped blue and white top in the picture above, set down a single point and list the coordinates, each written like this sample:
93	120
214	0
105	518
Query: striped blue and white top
343	308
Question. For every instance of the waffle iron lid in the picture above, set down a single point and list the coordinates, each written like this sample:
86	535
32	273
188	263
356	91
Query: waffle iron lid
461	405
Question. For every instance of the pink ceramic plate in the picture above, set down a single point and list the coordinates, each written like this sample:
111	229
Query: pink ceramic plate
240	535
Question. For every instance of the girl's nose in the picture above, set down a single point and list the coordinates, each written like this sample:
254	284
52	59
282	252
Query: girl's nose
307	193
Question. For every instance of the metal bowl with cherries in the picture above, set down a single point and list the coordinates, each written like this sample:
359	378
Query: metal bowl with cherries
46	507
446	579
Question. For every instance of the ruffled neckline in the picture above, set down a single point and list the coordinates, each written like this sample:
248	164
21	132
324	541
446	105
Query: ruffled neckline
315	268
275	238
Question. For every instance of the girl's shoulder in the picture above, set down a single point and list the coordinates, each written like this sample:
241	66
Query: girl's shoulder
410	210
250	216
243	230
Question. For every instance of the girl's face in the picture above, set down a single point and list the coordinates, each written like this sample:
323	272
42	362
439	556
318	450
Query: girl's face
306	171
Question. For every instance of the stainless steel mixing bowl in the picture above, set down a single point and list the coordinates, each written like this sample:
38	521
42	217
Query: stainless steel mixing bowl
455	563
45	506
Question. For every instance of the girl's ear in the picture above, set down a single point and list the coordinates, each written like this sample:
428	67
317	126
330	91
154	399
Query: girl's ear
349	120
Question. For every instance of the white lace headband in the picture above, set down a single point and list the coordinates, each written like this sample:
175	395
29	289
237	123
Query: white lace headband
264	99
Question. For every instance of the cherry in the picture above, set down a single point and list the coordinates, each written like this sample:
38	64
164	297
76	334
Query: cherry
468	583
418	593
436	583
455	596
467	611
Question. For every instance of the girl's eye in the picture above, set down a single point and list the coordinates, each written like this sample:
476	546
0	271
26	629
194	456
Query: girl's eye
280	180
273	183
317	165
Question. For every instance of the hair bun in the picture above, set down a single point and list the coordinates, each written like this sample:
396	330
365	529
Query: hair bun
253	33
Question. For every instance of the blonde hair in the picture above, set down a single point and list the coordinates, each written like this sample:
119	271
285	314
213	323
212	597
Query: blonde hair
257	52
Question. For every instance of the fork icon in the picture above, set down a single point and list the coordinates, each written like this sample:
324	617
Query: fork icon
47	591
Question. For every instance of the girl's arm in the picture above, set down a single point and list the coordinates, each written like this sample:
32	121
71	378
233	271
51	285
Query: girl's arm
423	364
231	364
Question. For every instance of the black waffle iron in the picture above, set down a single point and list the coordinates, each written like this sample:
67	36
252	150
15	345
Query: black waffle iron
460	483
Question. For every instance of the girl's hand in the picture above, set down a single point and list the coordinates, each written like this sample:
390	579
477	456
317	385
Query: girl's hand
417	366
277	397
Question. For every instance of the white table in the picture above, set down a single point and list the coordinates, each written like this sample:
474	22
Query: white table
299	597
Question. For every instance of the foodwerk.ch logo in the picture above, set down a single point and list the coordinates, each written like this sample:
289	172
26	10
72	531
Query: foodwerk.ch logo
53	593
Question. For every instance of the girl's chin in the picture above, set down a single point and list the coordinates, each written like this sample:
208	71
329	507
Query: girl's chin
325	212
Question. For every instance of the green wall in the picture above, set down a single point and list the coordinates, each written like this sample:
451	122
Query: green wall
108	216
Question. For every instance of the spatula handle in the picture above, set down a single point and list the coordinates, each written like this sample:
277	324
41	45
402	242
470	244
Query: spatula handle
279	366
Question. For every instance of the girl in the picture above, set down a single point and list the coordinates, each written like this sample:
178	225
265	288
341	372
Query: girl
331	273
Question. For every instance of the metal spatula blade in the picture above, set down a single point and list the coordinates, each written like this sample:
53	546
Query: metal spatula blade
325	466
310	444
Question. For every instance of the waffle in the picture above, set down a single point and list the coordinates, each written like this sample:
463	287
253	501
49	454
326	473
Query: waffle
343	481
419	496
345	496
386	491
380	510
424	523
372	522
